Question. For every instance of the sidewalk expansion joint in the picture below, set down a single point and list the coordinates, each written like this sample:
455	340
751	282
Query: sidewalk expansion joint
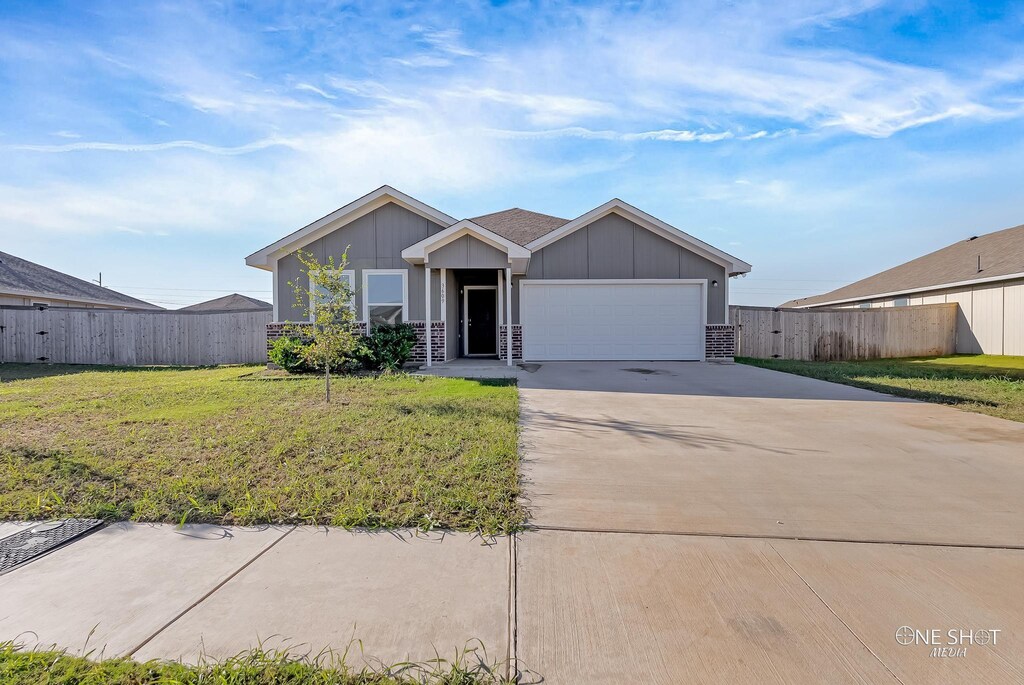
209	593
757	536
834	614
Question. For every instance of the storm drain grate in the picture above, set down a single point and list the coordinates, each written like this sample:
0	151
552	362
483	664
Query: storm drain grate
26	545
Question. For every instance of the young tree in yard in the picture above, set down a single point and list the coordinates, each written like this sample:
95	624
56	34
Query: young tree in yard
327	303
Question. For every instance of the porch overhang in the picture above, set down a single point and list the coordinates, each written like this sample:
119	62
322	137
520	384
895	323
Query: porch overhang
419	253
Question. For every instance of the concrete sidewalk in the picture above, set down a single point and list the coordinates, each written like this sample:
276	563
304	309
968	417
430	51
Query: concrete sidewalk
580	606
156	591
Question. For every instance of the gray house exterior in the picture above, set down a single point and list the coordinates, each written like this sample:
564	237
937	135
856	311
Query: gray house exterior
614	283
27	284
983	275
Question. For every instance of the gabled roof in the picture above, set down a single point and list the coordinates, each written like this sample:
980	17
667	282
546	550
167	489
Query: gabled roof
641	218
419	253
521	226
234	302
990	257
523	229
27	279
262	259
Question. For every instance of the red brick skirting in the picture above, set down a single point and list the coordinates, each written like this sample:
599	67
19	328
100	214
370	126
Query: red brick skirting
719	341
419	350
437	343
517	341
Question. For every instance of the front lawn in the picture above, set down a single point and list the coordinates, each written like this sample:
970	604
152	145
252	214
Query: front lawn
239	445
988	384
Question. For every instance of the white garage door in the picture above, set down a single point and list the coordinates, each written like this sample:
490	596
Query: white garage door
611	320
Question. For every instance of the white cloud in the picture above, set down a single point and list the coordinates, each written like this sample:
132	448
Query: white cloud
156	147
314	89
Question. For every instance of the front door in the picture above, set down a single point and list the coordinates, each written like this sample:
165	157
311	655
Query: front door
481	312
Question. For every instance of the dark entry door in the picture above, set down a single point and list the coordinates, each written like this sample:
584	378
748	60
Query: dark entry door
481	321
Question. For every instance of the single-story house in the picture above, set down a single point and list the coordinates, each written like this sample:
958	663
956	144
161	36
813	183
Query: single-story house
25	283
983	274
612	284
234	302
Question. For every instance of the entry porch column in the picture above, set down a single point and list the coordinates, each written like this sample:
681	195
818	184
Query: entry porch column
427	330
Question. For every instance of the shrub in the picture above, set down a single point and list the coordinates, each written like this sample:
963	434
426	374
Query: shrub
289	353
389	346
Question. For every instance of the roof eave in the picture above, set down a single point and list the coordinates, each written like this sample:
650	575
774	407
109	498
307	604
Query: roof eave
911	291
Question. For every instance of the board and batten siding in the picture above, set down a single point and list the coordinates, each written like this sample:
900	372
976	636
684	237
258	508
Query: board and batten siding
66	335
467	252
615	247
990	319
374	241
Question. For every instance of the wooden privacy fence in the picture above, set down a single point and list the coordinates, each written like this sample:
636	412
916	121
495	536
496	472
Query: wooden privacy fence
845	334
67	335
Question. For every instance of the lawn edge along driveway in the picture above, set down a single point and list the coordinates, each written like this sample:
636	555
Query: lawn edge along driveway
985	384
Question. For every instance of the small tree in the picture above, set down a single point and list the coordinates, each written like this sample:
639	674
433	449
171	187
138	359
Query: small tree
326	301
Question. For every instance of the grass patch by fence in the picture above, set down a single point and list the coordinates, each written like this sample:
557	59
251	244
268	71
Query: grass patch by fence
987	384
258	667
229	445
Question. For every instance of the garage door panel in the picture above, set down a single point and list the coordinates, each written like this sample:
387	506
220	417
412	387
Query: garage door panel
612	321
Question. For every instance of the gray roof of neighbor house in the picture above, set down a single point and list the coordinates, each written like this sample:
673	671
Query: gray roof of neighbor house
980	257
230	303
521	226
21	277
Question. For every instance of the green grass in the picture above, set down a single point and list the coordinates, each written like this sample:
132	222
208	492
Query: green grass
20	667
988	384
239	445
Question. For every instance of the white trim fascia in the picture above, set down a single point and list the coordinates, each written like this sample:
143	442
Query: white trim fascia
142	307
344	215
611	281
366	293
651	223
704	319
909	291
274	300
465	321
418	253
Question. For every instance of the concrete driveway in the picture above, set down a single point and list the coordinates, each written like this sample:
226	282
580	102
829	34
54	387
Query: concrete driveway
723	523
737	450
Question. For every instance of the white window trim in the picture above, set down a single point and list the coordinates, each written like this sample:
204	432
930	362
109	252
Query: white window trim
344	272
366	292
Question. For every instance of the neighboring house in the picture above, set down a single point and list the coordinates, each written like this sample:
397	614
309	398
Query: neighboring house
230	303
26	283
613	284
983	274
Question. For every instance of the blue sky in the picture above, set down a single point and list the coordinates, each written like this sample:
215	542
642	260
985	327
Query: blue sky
160	143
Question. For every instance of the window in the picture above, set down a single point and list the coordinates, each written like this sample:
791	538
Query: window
900	302
865	305
385	296
318	294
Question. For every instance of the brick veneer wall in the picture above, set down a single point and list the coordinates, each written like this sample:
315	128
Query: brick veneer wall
437	342
279	329
719	341
419	350
517	341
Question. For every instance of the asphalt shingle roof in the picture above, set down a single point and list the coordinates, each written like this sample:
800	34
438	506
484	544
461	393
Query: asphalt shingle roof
230	303
22	276
519	225
999	254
